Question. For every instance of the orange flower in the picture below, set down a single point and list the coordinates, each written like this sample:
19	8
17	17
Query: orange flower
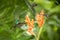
40	18
30	25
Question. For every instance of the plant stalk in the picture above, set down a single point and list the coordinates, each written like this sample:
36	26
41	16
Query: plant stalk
39	33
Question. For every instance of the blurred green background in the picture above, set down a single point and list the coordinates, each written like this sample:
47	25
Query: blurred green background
12	17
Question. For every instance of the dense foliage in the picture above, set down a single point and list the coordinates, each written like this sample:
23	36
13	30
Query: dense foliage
12	19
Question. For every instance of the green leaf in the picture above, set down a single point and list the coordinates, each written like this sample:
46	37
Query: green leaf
45	4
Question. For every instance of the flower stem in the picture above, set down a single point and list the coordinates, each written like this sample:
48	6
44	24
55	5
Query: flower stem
39	33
